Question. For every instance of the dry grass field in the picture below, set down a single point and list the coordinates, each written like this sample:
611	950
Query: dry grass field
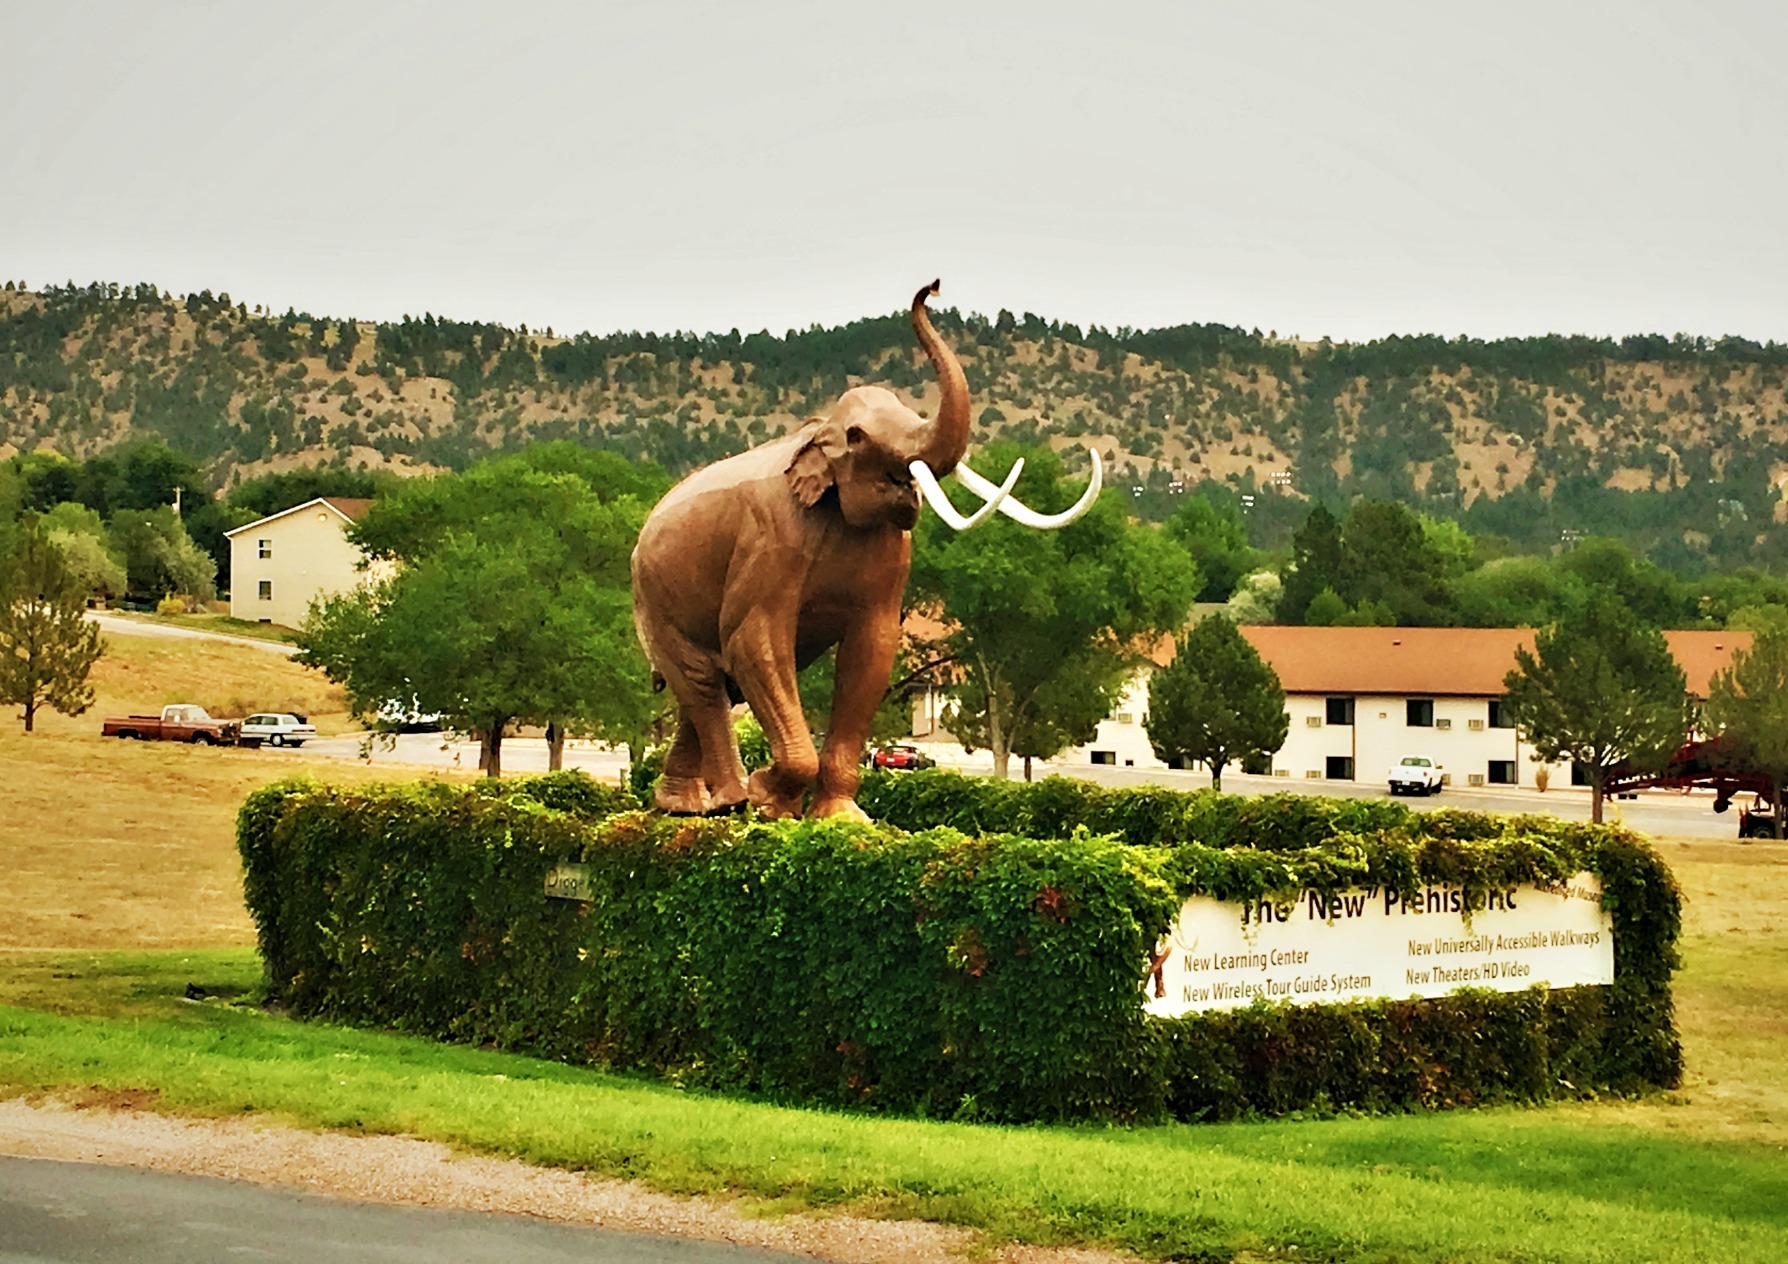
114	844
1731	994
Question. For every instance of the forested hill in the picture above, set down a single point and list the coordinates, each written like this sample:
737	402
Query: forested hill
1684	441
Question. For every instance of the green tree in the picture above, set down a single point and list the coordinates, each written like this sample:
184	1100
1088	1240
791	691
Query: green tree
510	601
160	559
1065	710
1216	702
47	646
1390	563
1031	610
1217	542
1748	704
1600	690
1316	563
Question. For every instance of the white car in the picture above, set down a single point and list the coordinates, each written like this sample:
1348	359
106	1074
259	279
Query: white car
277	729
1416	774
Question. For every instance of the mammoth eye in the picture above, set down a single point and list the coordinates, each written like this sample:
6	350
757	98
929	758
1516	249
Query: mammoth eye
900	478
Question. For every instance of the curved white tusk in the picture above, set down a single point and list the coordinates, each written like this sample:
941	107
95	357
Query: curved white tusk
934	495
1030	517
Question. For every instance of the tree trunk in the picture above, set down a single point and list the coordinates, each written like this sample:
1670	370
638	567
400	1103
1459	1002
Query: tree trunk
1775	803
1027	767
490	747
555	747
1595	795
1217	767
997	740
30	713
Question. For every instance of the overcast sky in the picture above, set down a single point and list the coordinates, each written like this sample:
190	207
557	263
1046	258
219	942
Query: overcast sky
1349	169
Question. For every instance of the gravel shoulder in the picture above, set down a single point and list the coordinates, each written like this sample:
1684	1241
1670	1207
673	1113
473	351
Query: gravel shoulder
117	1128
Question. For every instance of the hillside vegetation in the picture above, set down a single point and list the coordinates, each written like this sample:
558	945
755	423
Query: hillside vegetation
1680	442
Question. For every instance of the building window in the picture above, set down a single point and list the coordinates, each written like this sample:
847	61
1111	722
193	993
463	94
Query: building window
1500	717
1340	711
264	548
1502	772
1105	757
266	592
1339	768
1419	713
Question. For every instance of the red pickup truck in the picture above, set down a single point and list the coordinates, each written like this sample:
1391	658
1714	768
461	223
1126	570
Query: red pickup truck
181	722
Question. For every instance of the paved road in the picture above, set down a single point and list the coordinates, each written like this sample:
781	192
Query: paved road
53	1212
119	626
1653	812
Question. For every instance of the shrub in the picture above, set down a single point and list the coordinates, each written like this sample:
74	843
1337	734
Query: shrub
990	964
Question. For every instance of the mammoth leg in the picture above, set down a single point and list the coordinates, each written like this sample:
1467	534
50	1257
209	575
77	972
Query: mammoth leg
860	681
680	788
764	666
702	772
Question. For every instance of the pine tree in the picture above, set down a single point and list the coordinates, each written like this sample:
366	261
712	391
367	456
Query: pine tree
47	647
1216	702
1600	690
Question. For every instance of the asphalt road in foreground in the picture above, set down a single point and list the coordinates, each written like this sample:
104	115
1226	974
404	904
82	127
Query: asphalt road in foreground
1656	812
53	1212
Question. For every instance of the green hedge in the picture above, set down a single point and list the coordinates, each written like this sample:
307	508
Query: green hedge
1474	1047
991	966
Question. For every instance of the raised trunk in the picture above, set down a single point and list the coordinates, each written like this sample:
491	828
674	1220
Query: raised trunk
946	439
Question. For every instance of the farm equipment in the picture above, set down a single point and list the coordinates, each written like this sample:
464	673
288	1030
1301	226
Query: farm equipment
1713	764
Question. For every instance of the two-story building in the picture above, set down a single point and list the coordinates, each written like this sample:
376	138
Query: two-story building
283	562
1359	699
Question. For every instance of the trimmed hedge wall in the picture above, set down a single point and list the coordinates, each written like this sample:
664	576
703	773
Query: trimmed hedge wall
990	967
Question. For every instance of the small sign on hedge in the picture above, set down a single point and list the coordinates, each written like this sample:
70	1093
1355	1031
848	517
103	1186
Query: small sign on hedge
1376	944
570	882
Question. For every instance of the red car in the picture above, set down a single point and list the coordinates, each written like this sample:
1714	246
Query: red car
907	757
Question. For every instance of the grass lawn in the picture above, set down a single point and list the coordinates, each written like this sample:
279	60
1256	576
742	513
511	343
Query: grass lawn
124	894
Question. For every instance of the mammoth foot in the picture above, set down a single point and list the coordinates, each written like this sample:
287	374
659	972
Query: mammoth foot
681	796
837	805
726	799
690	796
772	799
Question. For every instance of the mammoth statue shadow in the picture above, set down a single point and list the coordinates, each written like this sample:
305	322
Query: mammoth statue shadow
752	567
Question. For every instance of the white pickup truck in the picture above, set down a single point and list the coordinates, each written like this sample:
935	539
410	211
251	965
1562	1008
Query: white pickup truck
1416	774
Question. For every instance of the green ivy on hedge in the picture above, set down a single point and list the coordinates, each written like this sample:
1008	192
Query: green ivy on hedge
990	961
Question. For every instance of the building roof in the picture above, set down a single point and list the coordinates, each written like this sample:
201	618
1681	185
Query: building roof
1439	662
349	508
353	508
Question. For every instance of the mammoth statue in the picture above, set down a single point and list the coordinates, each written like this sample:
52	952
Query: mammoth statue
752	567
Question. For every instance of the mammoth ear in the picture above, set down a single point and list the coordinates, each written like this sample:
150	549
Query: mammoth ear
810	473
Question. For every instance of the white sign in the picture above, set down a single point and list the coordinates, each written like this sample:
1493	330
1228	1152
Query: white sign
569	882
1367	944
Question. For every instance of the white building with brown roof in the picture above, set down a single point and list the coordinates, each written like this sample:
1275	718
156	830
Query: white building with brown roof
283	562
1359	699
